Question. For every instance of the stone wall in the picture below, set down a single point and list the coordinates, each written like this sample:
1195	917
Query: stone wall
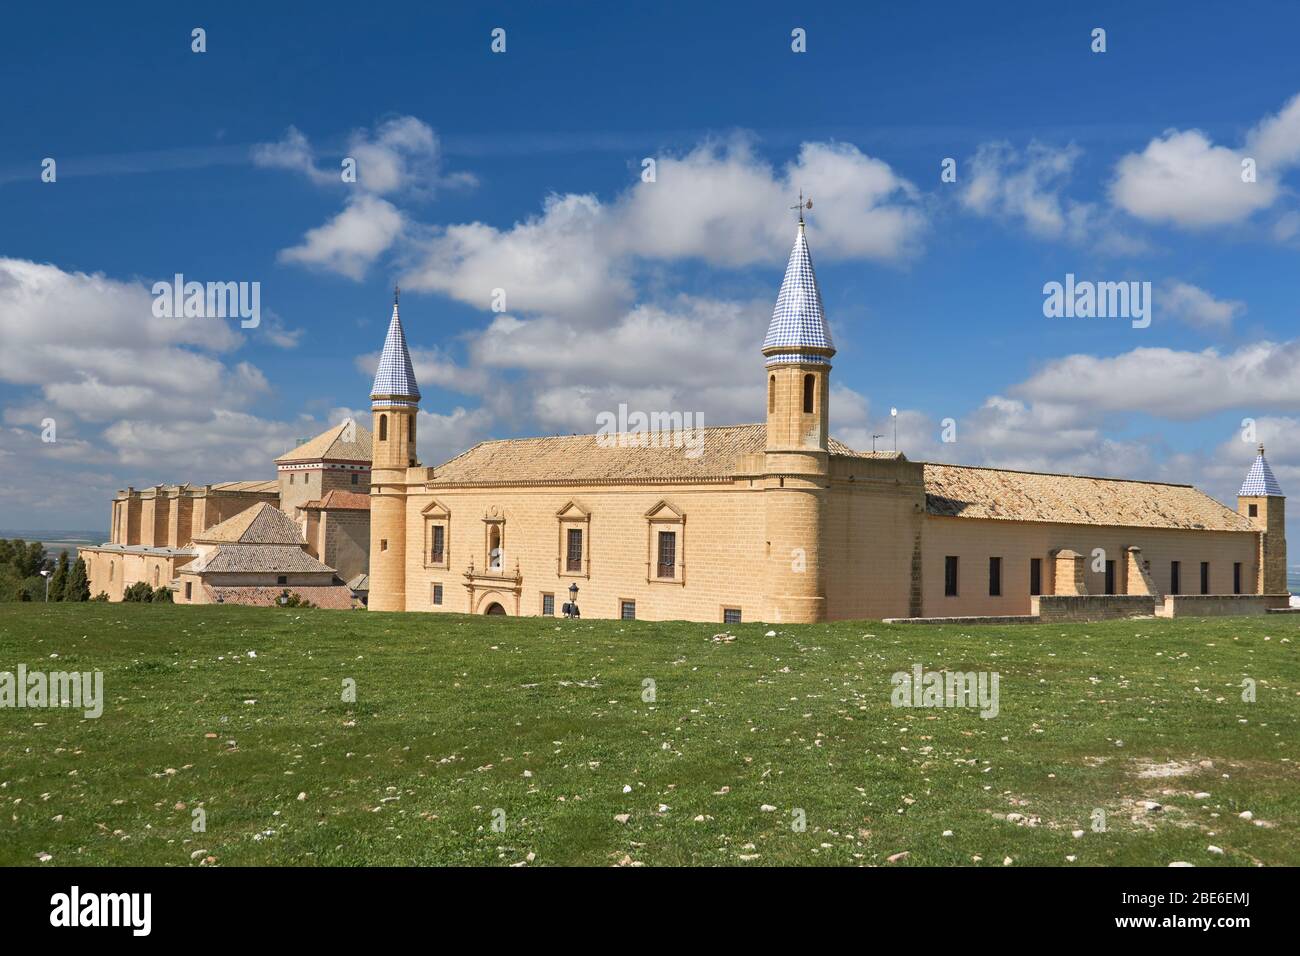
1219	605
1090	607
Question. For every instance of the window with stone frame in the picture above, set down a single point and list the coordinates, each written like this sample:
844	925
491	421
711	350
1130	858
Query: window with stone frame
665	544
437	535
573	554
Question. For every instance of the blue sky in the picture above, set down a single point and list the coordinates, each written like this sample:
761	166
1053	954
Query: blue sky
522	171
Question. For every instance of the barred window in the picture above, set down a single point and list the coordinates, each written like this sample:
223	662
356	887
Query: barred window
436	552
731	615
573	559
627	610
436	597
548	605
667	554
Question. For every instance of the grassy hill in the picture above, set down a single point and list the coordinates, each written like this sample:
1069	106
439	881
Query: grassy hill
238	712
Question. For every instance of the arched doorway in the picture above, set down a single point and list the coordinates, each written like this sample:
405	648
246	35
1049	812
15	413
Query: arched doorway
495	608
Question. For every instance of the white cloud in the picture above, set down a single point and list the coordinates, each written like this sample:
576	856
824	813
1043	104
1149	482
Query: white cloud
1184	179
1173	384
1188	303
578	259
352	240
1026	187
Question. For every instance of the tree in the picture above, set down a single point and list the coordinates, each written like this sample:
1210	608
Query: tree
59	580
78	587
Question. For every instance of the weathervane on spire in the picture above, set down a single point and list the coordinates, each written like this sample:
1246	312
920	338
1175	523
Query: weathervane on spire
801	206
397	293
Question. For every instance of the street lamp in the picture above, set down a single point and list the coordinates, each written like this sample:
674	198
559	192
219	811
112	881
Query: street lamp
571	610
46	576
893	413
284	598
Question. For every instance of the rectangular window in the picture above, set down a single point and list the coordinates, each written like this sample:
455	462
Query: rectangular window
995	577
731	615
436	596
291	482
436	552
282	579
627	610
188	586
573	556
1110	577
667	554
950	576
1175	573
1205	577
1254	510
1035	575
1236	577
383	544
548	605
355	476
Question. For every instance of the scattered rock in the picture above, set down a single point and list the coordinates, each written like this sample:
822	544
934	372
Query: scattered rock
1214	849
899	856
1077	834
767	808
622	817
1246	815
1181	863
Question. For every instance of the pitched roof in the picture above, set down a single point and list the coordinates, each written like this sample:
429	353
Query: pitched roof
1259	480
395	378
969	492
346	441
260	524
339	500
263	558
798	332
610	457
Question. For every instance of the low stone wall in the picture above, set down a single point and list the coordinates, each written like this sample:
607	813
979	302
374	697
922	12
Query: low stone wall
1091	607
1220	605
974	619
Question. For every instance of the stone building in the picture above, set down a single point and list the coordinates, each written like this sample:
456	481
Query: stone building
779	522
322	486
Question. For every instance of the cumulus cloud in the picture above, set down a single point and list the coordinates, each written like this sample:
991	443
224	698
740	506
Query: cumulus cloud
1179	385
1185	179
352	240
579	257
1193	305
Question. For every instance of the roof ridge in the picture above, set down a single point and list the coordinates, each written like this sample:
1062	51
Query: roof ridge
1063	474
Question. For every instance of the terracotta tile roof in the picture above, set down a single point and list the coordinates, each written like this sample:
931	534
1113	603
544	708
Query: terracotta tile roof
967	492
332	597
338	500
260	524
577	458
253	487
261	558
332	445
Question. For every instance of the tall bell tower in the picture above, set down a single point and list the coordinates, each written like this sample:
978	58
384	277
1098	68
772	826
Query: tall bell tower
394	404
797	352
1261	500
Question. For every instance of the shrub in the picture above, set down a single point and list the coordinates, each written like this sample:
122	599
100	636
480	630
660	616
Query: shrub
101	596
138	592
162	596
295	600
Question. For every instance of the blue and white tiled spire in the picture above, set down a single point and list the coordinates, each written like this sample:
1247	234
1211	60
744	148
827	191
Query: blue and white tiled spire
395	385
798	332
1259	480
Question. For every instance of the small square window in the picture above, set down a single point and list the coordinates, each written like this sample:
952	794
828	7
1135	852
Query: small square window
731	615
1254	510
436	597
282	579
548	605
627	610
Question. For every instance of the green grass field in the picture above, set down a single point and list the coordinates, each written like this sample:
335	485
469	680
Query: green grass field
542	723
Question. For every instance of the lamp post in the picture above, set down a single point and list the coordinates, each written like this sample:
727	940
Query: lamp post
572	609
46	576
283	598
893	413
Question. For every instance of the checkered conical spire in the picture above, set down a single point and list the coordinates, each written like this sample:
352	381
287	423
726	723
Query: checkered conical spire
798	332
395	384
1259	480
